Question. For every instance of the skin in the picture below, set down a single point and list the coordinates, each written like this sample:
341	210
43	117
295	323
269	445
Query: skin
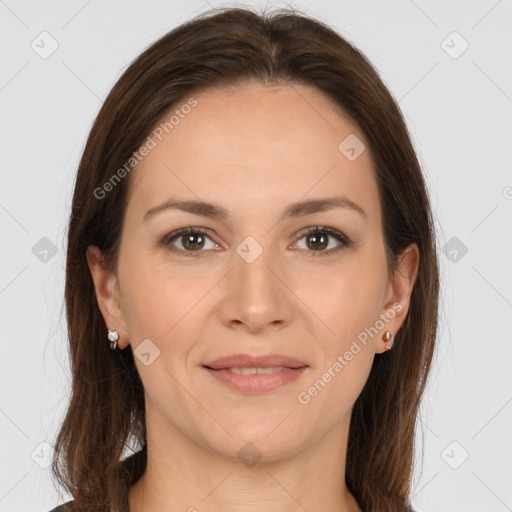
252	150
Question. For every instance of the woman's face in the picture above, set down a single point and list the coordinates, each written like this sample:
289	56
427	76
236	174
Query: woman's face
253	282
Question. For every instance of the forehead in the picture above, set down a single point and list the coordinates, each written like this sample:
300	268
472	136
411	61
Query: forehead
253	144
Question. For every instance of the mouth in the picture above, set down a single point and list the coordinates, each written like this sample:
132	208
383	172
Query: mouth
254	371
255	374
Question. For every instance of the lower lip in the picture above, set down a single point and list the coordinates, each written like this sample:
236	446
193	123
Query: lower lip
257	383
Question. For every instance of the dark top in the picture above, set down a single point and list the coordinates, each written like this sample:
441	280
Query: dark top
62	508
65	508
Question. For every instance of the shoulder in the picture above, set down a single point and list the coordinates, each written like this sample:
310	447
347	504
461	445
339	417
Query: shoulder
405	507
66	507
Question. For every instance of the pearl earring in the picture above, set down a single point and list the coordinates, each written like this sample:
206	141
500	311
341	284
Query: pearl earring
387	337
113	337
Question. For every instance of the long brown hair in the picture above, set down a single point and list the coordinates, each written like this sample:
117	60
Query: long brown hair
226	47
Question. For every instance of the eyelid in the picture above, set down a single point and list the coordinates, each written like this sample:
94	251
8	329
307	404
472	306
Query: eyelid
343	240
325	229
183	231
167	239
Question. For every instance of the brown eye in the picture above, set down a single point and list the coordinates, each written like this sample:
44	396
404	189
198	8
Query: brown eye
193	241
318	238
189	240
317	241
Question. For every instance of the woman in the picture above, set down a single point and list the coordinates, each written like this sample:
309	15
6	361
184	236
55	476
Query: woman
251	282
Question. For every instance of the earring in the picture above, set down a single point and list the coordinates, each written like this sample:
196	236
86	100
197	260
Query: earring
386	337
113	337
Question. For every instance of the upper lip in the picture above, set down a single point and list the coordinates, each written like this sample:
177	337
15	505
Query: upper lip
248	361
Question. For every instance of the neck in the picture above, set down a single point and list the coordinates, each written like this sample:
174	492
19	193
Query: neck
183	475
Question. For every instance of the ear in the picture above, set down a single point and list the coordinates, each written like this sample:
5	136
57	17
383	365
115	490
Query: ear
398	295
107	294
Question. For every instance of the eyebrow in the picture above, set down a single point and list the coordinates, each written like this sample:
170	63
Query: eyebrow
297	209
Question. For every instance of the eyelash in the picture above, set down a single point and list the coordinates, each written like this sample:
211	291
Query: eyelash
340	237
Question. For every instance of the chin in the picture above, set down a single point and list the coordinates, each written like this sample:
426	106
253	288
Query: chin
259	442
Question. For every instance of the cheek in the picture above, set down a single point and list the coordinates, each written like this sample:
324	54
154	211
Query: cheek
350	306
332	391
350	299
158	301
148	299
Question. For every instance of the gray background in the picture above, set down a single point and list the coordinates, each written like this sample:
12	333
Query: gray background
458	107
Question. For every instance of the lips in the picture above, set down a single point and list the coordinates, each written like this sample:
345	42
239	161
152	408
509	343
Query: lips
241	361
255	374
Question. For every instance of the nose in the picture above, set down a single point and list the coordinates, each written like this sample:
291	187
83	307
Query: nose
257	297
